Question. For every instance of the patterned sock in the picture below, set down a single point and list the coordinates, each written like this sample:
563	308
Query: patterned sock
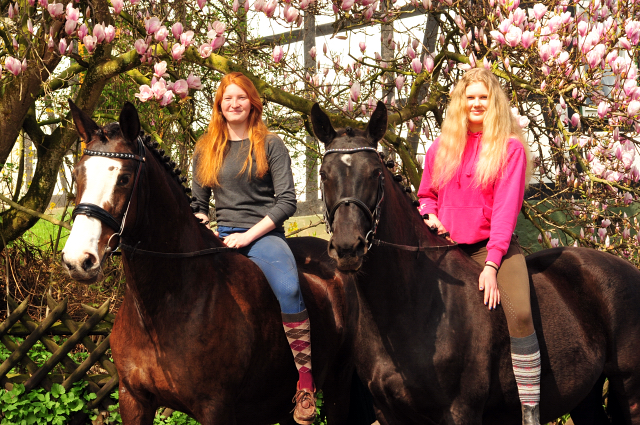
525	356
298	332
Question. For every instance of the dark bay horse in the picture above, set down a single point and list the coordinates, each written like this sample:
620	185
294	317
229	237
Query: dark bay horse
428	348
199	329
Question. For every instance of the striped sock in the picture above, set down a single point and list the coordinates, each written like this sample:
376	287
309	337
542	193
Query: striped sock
298	332
525	356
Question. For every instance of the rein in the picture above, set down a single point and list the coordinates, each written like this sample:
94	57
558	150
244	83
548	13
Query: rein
374	216
92	210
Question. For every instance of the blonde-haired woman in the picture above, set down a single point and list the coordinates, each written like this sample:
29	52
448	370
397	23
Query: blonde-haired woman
249	171
472	187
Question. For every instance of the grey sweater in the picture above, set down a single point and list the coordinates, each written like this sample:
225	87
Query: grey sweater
243	202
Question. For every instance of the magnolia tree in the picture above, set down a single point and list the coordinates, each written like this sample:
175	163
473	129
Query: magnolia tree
569	67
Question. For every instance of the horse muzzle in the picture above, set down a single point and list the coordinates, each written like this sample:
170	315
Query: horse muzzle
349	255
83	268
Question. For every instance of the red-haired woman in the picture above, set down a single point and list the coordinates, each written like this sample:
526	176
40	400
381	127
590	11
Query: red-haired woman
473	186
249	171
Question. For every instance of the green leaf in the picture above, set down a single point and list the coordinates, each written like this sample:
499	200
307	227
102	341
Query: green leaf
57	389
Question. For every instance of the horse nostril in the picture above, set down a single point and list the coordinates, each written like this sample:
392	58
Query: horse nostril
68	265
89	262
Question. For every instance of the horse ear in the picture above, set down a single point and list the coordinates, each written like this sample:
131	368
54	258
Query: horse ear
377	126
322	125
129	122
84	124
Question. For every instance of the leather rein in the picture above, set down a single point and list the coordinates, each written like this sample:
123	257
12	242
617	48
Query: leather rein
92	210
372	215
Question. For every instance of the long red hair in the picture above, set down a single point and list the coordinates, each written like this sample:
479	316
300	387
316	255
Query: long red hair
212	146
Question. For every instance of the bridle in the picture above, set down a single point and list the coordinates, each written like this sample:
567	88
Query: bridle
92	210
373	216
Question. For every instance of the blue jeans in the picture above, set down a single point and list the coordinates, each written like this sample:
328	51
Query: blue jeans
274	257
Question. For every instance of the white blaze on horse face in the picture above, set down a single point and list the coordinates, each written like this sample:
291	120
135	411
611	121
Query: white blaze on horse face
346	158
101	175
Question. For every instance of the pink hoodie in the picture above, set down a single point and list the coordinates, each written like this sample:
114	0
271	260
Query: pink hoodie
472	214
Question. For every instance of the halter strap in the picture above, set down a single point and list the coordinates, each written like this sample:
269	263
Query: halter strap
134	250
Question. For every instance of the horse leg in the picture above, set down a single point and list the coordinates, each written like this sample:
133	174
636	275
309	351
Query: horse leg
624	400
134	409
590	410
218	413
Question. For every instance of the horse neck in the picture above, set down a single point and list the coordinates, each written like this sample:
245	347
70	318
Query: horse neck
400	222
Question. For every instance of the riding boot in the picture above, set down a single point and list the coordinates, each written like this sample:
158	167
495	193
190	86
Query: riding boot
525	356
530	414
298	332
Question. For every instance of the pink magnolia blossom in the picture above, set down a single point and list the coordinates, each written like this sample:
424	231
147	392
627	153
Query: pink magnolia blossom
555	46
416	65
13	12
15	44
277	54
219	27
13	65
605	223
624	43
464	40
355	91
201	3
400	82
595	56
270	8
117	6
186	38
166	98
513	36
628	198
73	14
55	9
429	63
194	82
145	93
205	50
290	13
630	87
69	26
258	5
523	121
519	16
82	31
486	63
109	33
603	109
177	30
162	34
29	26
181	88
158	87
583	27
177	51
619	65
98	32
411	53
528	38
575	120
347	4
235	6
313	52
363	46
497	37
632	30
160	69
218	42
368	14
90	42
152	25
562	57
633	108
505	25
62	46
141	47
43	3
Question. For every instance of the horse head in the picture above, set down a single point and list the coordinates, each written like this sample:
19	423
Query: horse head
105	177
352	176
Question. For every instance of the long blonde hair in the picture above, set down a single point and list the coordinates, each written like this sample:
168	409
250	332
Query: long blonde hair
212	146
499	125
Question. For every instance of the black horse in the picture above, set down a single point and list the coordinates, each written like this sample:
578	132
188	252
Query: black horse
199	329
428	348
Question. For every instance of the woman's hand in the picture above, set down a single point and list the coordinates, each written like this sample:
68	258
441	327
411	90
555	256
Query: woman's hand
433	223
489	284
237	240
204	219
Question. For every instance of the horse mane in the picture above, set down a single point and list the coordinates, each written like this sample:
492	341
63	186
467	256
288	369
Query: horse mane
169	165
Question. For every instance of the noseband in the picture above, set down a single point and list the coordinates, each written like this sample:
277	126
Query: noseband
92	210
373	216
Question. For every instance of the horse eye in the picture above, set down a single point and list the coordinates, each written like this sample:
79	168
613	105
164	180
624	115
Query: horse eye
377	172
323	176
123	180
